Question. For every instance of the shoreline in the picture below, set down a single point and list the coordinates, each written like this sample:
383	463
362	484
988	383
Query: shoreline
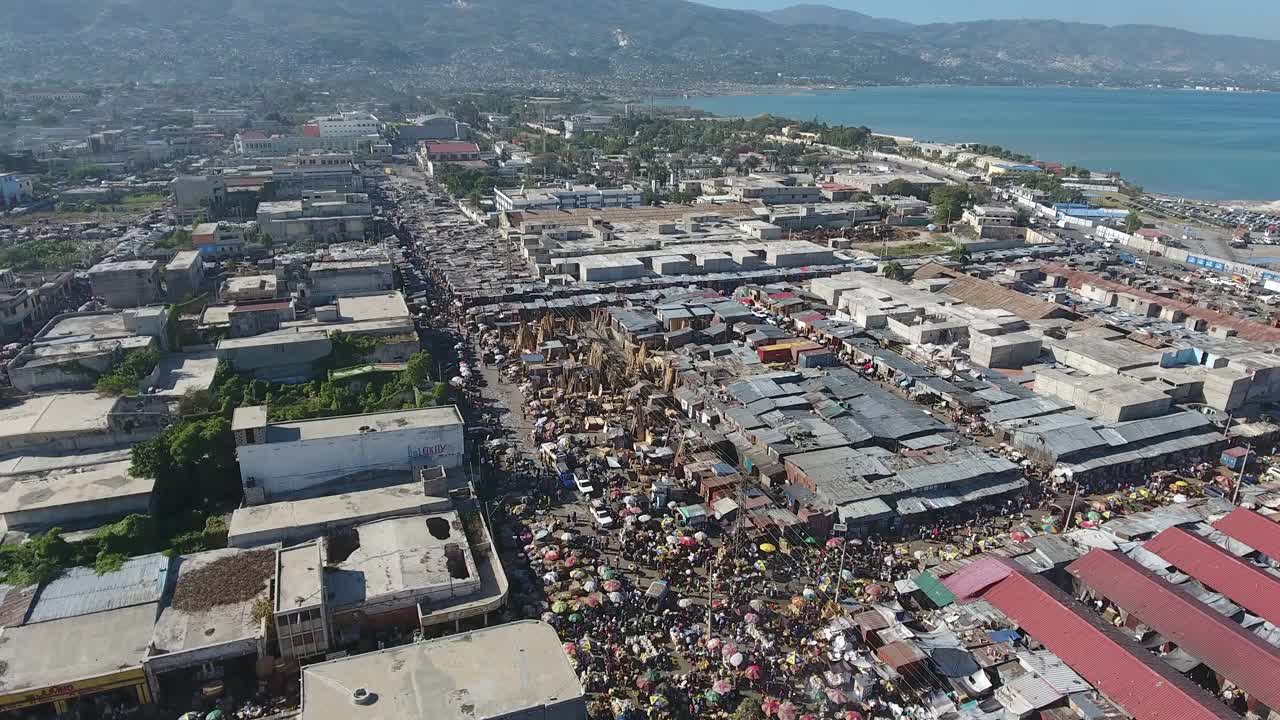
678	101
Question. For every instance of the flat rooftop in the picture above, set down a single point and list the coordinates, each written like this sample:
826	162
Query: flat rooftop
124	266
86	326
75	648
393	420
347	509
223	620
373	307
299	577
71	486
182	372
496	672
405	555
339	265
69	412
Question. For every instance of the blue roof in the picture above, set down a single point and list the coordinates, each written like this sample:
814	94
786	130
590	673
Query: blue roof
81	590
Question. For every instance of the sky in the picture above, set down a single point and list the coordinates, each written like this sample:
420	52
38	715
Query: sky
1256	18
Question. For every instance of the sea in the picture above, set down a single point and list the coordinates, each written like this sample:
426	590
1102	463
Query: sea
1207	145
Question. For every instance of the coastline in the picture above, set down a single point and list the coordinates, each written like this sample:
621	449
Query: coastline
1199	181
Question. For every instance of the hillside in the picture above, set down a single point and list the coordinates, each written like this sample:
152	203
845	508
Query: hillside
834	17
607	43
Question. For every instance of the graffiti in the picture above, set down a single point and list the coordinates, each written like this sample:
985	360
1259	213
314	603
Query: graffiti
429	451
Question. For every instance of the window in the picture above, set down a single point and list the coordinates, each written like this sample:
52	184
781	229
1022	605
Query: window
308	639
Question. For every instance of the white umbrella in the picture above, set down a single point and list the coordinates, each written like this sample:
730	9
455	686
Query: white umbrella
567	537
700	536
645	518
685	602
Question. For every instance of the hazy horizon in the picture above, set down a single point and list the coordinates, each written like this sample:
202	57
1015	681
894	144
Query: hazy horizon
1249	18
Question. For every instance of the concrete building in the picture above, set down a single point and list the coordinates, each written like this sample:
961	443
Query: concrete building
768	189
14	188
1113	398
221	119
301	614
995	222
478	665
196	196
247	319
219	239
285	357
347	124
279	460
320	216
70	491
296	521
253	143
568	197
1004	351
331	279
427	127
68	423
74	349
183	275
29	299
247	288
127	283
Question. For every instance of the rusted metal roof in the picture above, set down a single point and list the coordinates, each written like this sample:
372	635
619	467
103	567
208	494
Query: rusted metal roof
1247	329
970	580
987	295
1111	661
1222	644
1245	583
1253	530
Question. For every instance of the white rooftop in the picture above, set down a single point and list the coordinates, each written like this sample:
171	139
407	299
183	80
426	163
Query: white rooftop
71	486
69	412
390	421
512	670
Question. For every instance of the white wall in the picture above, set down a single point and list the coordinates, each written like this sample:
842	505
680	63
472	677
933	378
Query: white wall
282	469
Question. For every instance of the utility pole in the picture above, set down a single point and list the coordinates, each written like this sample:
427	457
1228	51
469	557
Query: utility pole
711	588
840	573
1240	475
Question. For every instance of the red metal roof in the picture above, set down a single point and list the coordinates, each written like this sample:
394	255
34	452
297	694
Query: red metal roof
1253	530
1220	643
970	580
1246	584
1144	686
438	146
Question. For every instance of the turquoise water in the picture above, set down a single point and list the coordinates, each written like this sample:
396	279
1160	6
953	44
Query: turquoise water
1210	145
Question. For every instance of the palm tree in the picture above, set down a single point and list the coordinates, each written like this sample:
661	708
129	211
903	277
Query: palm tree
893	270
960	253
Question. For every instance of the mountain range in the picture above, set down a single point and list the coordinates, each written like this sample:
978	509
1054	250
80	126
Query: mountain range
615	44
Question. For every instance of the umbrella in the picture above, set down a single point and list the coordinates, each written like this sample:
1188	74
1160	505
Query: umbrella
737	659
577	573
591	601
542	535
756	604
769	706
575	618
712	696
590	586
687	541
659	701
566	537
852	715
630	500
571	561
713	644
615	597
644	518
834	542
810	594
1018	536
722	686
837	696
559	607
751	618
761	565
549	577
700	536
611	585
607	573
768	547
548	617
215	714
788	711
685	602
728	649
644	683
570	649
753	672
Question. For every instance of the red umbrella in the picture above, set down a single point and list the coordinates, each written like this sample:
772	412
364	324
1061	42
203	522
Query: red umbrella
1018	536
853	715
837	696
753	672
834	542
769	706
551	556
611	586
721	686
788	711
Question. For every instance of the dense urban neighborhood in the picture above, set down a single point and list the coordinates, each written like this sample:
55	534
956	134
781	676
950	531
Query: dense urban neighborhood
321	403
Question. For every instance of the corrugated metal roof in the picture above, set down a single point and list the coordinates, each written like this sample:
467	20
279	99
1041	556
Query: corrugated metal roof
1257	591
15	604
971	580
1026	693
1223	645
1253	530
1057	673
1111	661
80	591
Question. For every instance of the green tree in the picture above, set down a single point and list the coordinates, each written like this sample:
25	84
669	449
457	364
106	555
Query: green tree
893	270
949	202
417	371
960	254
748	709
37	560
905	188
1133	222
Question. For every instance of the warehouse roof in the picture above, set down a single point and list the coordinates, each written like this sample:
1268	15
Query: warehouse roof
1110	660
1253	530
1222	644
501	671
70	486
345	509
1254	589
70	412
75	648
